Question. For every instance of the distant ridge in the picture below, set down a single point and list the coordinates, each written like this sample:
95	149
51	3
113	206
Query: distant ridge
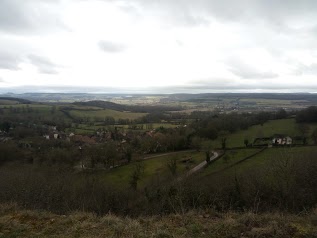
131	108
20	100
104	105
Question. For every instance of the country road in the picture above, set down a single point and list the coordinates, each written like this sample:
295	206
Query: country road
202	164
170	153
199	166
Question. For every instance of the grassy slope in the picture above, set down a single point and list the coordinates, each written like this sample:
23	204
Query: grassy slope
8	102
35	106
229	159
38	111
90	112
266	157
24	223
153	168
285	126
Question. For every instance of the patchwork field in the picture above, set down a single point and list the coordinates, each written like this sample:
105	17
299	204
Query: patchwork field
101	114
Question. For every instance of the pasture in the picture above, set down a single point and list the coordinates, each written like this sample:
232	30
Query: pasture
228	159
284	126
21	106
267	159
8	102
155	168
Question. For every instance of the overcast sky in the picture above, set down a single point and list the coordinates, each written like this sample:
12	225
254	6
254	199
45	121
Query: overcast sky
159	45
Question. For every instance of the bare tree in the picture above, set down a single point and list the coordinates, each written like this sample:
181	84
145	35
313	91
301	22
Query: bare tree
172	166
136	175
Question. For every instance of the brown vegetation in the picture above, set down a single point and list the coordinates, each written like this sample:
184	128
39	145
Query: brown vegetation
15	222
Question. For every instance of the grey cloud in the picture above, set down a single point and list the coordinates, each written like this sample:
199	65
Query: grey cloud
179	43
9	61
313	30
43	64
178	12
275	12
249	73
230	89
304	69
232	85
111	47
205	86
246	71
29	16
211	82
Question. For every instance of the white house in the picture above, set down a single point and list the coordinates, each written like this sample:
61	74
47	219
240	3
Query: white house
289	140
282	140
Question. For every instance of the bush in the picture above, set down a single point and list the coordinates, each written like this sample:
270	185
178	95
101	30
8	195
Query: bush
288	183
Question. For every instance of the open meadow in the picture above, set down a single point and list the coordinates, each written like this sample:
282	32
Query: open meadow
155	168
287	127
263	160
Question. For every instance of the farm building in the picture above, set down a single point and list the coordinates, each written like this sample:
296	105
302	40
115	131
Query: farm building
277	139
282	140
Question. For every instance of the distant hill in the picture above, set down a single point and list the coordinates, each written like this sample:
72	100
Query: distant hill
131	108
104	105
19	100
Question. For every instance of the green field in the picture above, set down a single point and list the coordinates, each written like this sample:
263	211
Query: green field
8	102
153	125
56	112
228	159
267	158
262	101
101	114
154	168
273	103
31	112
33	106
284	126
76	111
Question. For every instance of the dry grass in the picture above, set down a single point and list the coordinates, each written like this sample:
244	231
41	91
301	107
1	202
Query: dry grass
15	222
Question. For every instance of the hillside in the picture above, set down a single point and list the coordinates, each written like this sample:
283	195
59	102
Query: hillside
132	108
25	223
12	100
104	105
126	166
